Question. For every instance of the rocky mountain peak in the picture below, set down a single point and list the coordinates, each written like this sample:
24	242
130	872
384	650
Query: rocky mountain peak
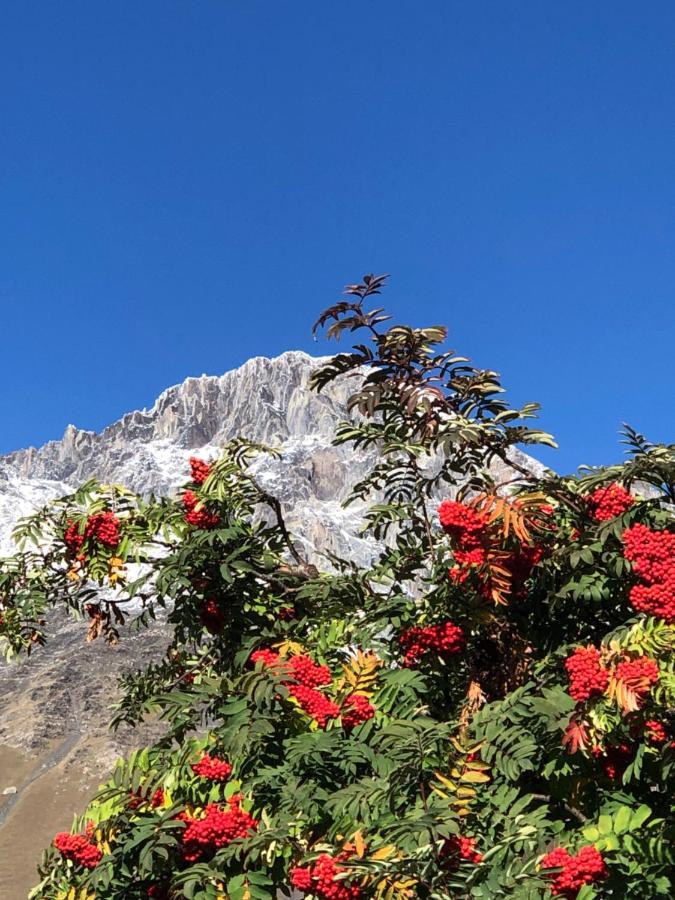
264	400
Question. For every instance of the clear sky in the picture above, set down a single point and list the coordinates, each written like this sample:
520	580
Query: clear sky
184	185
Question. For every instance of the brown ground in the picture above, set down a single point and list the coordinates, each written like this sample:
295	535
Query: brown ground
46	801
55	743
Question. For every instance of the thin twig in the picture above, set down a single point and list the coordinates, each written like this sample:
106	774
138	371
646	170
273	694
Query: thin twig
570	809
276	507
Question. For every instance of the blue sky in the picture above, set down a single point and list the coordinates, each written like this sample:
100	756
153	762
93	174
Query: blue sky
185	185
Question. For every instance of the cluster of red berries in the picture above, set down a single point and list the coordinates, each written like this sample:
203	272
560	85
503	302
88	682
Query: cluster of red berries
639	674
79	848
218	827
466	526
103	527
587	867
199	470
444	639
136	800
305	671
608	502
73	538
211	616
463	523
586	674
652	554
304	676
265	656
301	668
614	759
315	704
468	529
355	710
320	880
458	848
655	731
212	768
198	517
466	560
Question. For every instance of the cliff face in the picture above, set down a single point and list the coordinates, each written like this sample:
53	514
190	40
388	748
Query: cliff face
55	703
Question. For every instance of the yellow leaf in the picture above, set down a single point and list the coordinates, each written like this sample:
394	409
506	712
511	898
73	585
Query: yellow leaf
289	648
446	781
360	672
360	844
466	793
473	777
626	699
479	766
383	852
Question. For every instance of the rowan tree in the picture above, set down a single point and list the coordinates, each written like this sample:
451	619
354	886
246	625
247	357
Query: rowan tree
485	710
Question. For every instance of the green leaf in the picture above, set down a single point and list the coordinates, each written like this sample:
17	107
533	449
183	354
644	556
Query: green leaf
622	819
639	817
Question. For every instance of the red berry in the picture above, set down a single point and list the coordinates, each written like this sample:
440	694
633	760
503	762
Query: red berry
587	675
199	470
463	523
655	732
212	768
445	640
608	501
356	709
614	759
587	867
211	616
304	671
216	828
196	514
266	656
652	554
315	704
72	537
320	880
458	848
78	848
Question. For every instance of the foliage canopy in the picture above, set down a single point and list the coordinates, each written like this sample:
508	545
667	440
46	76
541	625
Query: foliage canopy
486	710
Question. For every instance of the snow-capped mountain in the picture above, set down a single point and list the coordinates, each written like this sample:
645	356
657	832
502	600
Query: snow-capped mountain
265	400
